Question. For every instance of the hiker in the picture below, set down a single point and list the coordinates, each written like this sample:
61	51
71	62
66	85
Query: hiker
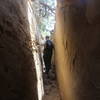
47	54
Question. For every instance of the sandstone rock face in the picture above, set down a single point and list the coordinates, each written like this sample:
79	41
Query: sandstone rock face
17	70
77	48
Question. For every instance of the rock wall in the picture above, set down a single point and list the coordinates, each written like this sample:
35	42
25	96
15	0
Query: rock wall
33	11
77	49
17	69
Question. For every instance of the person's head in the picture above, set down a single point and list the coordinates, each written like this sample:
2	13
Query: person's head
47	37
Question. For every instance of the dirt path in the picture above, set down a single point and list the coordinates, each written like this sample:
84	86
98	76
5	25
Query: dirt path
51	90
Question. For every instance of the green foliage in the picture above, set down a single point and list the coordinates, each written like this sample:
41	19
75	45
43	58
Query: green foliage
47	15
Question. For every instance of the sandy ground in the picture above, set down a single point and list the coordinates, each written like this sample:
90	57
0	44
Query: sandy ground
50	87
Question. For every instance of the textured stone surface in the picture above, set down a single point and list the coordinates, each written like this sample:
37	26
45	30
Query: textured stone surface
17	72
77	44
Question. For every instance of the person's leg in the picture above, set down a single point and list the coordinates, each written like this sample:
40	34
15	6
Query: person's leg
47	62
47	70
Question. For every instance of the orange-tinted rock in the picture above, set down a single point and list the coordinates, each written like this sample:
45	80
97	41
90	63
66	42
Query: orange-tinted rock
77	49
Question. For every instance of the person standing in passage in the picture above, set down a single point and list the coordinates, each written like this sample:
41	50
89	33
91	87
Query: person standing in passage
47	54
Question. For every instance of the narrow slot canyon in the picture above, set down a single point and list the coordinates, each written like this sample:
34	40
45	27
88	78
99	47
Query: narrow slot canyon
49	49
